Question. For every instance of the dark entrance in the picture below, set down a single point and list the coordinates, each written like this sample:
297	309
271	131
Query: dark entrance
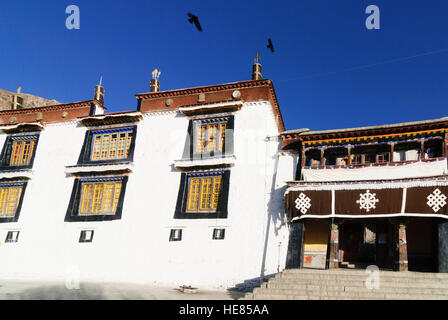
366	242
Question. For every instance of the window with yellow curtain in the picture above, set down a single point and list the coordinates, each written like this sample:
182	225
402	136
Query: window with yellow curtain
210	137
20	150
204	193
111	144
99	198
9	200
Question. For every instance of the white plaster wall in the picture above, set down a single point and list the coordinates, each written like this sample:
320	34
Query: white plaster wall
136	247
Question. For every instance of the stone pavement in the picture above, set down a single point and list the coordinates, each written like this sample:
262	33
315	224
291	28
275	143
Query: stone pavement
40	290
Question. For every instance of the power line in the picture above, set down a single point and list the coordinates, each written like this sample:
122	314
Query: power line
367	65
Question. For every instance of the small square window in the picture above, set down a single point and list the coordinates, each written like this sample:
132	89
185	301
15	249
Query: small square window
218	234
12	236
176	235
86	236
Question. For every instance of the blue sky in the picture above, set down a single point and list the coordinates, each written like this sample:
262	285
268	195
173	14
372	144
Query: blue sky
316	42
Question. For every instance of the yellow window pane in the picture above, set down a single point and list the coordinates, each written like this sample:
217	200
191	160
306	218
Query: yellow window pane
86	201
121	150
108	194
200	138
105	147
217	181
96	150
212	137
16	153
113	146
117	192
206	193
222	135
3	200
194	194
128	143
13	197
97	193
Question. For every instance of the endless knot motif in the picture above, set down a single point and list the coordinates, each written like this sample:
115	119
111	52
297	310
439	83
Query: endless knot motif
436	200
367	201
303	203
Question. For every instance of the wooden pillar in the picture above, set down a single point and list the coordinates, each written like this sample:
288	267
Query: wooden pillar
402	248
422	149
294	257
349	155
392	148
322	157
333	258
445	145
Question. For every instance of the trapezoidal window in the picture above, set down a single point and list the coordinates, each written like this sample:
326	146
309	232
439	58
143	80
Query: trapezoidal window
99	198
108	145
111	145
11	195
19	150
95	199
204	193
211	137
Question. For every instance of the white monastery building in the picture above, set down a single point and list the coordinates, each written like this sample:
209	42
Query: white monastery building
204	187
184	190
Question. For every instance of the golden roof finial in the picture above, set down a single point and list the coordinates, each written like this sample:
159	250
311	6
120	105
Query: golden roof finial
156	74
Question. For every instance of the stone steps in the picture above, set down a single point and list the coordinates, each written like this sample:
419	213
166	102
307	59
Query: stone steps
430	289
308	284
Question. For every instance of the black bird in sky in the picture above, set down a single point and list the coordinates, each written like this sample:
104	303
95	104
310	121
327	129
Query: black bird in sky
194	19
270	45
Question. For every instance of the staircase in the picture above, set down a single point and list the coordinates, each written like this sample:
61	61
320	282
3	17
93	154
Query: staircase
348	284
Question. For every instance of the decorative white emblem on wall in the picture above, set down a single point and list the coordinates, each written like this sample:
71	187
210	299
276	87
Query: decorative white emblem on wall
367	201
436	200
303	203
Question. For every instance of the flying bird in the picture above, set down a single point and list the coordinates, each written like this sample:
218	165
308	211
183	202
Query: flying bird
270	45
194	19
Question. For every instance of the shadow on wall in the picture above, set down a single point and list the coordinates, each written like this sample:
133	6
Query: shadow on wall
275	210
240	289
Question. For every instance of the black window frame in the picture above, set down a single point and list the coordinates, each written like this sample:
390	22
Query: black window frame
23	184
173	235
190	153
82	236
9	239
7	150
86	150
72	214
216	236
182	198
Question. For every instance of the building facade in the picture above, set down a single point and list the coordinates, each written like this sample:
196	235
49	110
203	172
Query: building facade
370	196
204	187
183	190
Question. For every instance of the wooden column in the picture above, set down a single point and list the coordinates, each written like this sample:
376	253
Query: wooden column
333	259
445	145
402	248
422	149
322	157
349	155
392	148
294	257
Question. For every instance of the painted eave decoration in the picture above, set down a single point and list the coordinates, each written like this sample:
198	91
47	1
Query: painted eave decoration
373	199
24	126
206	108
402	132
221	161
110	118
76	170
16	174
